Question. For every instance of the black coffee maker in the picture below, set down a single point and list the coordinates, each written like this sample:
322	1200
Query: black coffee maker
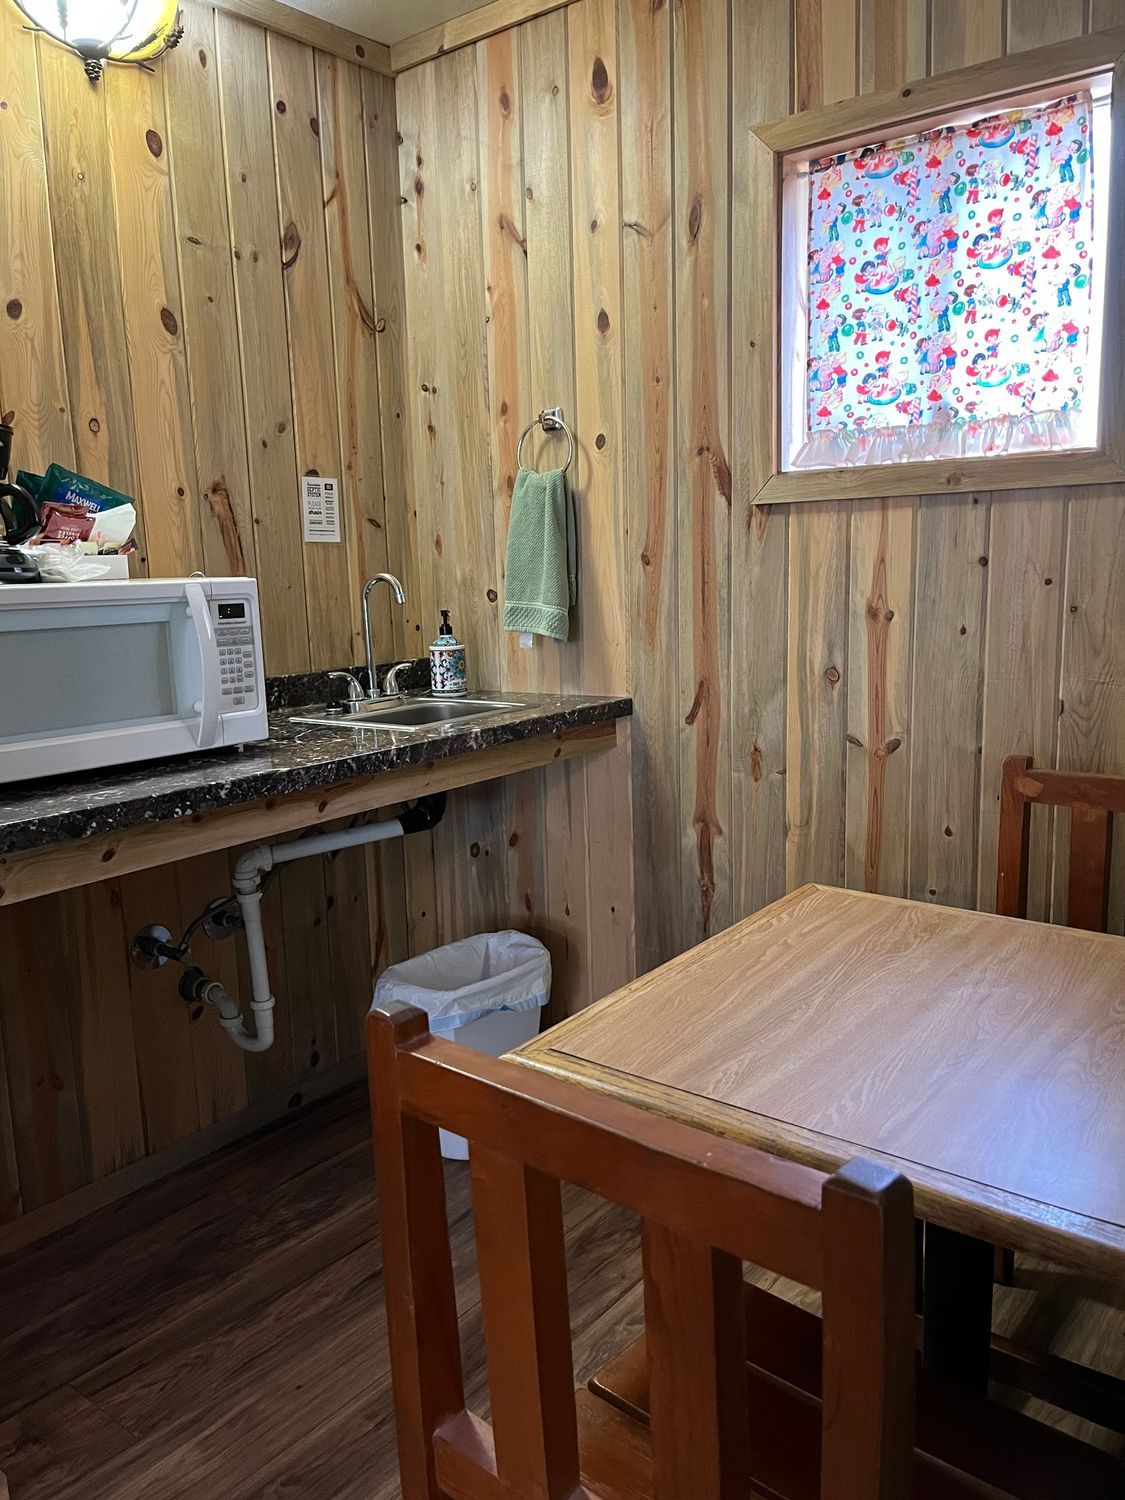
19	515
19	518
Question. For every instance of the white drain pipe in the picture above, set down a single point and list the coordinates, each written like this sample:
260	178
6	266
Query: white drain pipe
248	872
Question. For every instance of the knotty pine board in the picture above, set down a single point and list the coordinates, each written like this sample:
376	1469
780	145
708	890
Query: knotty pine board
251	185
701	239
563	921
385	224
206	272
32	370
153	317
79	187
760	40
1020	712
343	166
505	269
308	306
648	254
877	789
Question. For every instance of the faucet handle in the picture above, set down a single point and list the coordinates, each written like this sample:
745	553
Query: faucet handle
353	692
391	688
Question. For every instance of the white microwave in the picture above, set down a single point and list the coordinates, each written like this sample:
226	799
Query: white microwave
105	674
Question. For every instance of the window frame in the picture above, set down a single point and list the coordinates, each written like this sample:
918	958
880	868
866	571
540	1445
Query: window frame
983	88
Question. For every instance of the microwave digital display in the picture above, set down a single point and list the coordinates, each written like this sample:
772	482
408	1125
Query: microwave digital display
232	611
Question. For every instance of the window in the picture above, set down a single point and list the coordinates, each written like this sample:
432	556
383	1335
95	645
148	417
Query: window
951	290
942	282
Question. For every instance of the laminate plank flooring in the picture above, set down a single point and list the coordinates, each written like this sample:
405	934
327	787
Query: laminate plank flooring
220	1334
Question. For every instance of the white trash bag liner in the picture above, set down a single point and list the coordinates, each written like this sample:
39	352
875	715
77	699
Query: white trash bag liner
463	982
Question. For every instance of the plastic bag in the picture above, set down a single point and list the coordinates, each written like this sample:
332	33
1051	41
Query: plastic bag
461	982
113	528
60	562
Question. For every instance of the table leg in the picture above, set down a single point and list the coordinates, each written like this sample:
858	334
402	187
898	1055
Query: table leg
957	1307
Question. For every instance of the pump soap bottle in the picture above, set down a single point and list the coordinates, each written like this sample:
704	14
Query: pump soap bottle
447	661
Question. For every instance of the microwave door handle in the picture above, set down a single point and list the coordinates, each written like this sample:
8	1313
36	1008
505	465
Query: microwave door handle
208	705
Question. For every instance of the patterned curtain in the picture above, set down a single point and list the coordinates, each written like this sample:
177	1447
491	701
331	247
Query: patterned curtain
949	290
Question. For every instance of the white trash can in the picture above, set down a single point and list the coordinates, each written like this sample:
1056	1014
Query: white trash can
486	992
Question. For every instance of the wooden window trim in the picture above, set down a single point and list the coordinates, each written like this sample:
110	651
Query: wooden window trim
838	126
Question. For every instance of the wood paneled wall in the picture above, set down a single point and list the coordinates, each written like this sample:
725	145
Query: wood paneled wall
202	297
223	297
200	301
513	303
824	691
258	270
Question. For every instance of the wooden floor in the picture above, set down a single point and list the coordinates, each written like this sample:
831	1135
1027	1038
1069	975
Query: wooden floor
220	1334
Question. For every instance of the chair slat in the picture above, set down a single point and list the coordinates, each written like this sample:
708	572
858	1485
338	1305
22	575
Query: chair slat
697	1362
1087	898
522	1262
868	1375
425	1346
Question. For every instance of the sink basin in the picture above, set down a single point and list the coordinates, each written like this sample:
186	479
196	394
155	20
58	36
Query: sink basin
405	714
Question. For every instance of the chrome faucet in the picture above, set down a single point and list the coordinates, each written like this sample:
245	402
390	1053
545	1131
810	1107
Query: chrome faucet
400	598
353	693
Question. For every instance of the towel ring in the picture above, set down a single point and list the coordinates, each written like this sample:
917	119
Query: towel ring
550	420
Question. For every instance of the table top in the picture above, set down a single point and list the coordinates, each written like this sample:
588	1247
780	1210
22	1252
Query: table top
982	1056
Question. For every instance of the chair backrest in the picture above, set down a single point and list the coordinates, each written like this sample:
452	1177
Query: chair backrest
706	1205
1092	799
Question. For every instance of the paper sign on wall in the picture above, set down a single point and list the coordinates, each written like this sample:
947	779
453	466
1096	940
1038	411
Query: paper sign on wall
320	503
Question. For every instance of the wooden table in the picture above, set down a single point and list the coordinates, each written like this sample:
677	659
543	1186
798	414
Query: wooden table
982	1056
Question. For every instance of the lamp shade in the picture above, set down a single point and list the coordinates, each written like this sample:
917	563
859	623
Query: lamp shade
103	31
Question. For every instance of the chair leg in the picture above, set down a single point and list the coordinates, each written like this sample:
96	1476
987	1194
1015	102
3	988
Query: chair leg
1003	1265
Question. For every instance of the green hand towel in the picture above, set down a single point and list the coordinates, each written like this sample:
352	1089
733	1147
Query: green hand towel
540	582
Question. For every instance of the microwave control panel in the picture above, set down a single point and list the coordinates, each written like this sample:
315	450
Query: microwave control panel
234	636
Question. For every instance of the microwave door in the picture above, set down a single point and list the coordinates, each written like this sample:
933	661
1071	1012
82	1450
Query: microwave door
92	683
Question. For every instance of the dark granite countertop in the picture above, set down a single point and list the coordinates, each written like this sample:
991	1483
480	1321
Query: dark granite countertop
295	758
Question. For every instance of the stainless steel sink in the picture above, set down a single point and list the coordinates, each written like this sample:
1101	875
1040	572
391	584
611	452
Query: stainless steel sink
409	715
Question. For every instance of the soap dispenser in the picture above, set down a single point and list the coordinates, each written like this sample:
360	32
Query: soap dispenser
447	661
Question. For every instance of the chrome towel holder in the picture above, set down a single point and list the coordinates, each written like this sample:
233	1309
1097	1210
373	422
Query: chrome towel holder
550	420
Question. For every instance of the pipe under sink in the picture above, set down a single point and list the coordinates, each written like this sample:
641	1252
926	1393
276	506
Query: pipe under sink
406	715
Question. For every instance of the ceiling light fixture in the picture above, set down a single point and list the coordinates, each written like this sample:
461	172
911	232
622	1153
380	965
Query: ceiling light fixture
101	31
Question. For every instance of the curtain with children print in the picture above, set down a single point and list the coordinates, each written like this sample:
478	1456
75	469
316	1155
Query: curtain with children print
949	290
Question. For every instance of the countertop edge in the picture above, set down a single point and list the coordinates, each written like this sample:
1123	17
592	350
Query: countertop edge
140	808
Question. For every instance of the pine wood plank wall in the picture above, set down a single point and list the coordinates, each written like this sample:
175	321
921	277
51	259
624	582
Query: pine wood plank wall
214	325
203	295
824	692
512	281
202	299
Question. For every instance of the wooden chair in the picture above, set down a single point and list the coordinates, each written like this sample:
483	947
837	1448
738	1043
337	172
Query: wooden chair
712	1426
1092	800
